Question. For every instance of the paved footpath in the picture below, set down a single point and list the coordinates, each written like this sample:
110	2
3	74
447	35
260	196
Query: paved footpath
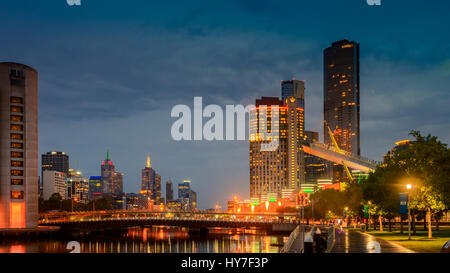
358	242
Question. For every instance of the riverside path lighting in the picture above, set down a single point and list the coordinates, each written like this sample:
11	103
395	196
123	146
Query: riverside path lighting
409	187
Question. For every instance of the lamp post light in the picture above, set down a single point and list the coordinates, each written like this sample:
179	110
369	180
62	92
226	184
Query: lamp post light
409	187
368	222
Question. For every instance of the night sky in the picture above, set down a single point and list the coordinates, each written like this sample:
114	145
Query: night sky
111	71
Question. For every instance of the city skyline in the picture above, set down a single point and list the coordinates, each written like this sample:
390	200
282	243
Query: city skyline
129	102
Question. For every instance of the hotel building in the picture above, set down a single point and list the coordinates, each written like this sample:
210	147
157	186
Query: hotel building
19	146
279	173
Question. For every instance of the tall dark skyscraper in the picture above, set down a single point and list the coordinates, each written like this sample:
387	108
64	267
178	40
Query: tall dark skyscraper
169	191
55	161
341	98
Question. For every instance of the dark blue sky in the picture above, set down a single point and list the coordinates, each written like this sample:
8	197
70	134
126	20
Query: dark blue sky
110	72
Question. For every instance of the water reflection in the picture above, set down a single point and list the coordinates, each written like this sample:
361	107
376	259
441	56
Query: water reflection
159	239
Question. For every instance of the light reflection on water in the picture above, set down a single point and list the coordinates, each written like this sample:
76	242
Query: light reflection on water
157	240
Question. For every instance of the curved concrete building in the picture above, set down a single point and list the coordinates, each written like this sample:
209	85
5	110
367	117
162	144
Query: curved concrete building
19	146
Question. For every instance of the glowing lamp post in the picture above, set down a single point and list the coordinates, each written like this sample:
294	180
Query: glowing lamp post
409	187
267	205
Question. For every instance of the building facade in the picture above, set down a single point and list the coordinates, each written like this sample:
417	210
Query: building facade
342	99
95	187
272	172
316	168
294	88
55	161
54	182
169	191
19	169
112	181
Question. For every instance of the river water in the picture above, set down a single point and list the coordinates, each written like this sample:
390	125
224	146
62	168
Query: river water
154	240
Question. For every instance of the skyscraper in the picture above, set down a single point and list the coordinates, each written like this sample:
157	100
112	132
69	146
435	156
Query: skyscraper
19	146
341	98
157	190
169	191
184	193
272	172
294	88
55	161
149	183
112	181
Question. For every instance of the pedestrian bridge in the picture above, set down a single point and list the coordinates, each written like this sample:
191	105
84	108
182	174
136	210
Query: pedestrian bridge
341	157
196	220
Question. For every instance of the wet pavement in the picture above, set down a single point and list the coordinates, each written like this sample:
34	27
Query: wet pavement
358	242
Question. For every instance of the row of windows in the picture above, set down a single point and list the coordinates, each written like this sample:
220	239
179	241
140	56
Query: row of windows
16	118
16	100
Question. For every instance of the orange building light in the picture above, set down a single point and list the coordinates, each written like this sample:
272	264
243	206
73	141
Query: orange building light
17	219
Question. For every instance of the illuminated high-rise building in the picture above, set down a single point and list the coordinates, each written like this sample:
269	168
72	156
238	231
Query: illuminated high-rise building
184	193
341	99
151	183
157	189
19	169
112	181
281	170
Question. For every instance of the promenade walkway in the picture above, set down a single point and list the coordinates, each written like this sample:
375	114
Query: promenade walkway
358	242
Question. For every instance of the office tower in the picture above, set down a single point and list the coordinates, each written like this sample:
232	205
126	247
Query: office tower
19	146
294	88
112	181
169	191
55	161
54	182
95	187
78	186
157	192
148	180
184	190
193	200
272	172
341	99
341	95
315	167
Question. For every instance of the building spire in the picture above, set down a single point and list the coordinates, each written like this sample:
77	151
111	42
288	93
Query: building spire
107	156
149	165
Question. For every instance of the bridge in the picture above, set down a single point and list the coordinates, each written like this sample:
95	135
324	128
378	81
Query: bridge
100	220
341	157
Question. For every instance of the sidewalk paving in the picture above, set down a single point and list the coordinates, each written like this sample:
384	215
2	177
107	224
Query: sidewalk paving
348	241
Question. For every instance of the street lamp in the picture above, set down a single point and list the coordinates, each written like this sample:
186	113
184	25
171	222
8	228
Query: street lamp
409	187
370	203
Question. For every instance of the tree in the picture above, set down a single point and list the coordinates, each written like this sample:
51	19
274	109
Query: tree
424	162
429	200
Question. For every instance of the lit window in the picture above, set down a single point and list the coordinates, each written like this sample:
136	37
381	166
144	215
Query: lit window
17	172
17	154
15	127
16	194
16	181
16	118
16	109
17	136
15	163
16	145
16	100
